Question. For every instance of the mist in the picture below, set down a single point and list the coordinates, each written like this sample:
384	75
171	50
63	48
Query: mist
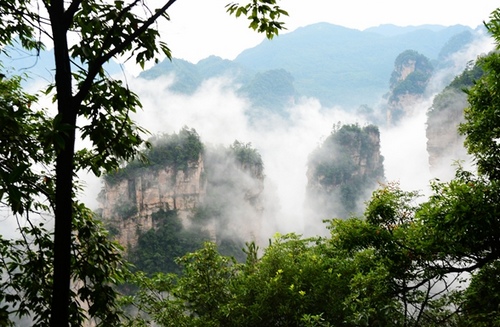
220	116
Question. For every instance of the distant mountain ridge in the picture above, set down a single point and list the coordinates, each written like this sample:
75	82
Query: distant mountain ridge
335	64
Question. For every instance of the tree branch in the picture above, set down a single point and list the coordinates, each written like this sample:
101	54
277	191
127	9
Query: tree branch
71	11
95	66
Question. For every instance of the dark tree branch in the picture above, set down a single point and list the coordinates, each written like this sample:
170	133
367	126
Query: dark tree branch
96	65
71	11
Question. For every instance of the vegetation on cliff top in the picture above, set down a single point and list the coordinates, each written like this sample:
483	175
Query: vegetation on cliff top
175	150
416	81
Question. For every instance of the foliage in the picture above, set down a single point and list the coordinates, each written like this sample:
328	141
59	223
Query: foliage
247	156
23	142
27	274
481	125
176	150
196	298
297	282
481	306
125	210
158	247
263	18
404	264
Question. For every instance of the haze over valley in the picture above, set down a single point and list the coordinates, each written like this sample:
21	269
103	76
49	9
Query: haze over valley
271	102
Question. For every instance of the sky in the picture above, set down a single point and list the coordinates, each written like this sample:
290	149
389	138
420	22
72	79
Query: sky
199	28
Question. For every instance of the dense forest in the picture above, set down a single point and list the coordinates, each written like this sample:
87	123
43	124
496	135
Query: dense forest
177	238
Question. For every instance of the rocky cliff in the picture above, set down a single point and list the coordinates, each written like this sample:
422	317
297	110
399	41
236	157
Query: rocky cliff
128	204
408	82
344	171
184	194
444	144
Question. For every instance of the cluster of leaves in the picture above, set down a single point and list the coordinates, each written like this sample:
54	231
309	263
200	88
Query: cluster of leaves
482	126
24	141
27	274
263	15
247	156
125	209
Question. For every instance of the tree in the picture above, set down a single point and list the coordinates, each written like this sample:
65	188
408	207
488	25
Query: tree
83	90
481	126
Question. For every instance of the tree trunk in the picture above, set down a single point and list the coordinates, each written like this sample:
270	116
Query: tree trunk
64	169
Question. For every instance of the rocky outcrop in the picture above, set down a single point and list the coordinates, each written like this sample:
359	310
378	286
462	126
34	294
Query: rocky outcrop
344	171
409	80
444	144
128	204
214	192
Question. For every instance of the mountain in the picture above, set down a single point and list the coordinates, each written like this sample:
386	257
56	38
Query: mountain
336	65
344	66
188	76
409	81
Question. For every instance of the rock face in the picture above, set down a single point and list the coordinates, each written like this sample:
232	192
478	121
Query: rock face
129	204
344	171
235	187
409	80
214	194
444	144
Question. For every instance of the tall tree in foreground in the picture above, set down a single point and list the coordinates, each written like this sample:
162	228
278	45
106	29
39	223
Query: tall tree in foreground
88	100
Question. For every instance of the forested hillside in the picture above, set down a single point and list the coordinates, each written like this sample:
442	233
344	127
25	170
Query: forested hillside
337	65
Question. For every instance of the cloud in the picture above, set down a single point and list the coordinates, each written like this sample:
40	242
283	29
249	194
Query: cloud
220	116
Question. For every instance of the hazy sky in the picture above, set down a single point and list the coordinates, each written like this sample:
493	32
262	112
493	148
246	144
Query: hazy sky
199	28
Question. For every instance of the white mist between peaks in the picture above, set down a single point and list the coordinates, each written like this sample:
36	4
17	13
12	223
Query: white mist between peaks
220	117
